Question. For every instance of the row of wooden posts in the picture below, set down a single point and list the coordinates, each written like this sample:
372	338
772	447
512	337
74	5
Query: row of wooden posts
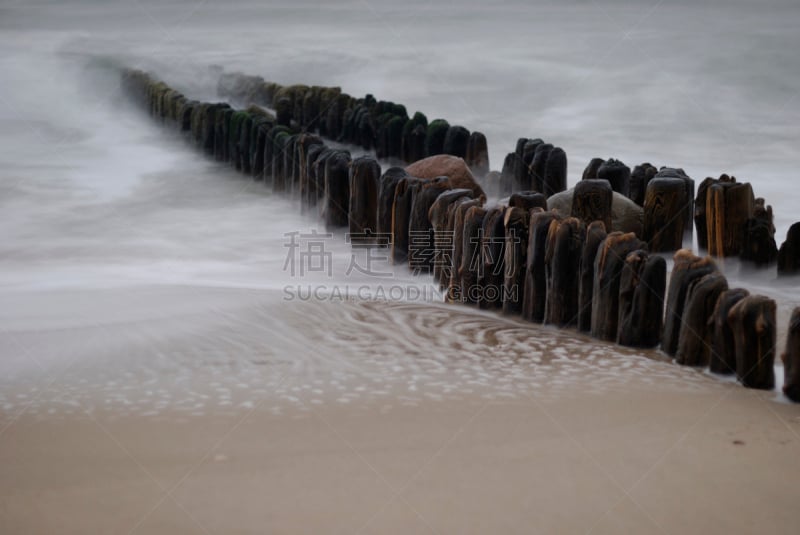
568	268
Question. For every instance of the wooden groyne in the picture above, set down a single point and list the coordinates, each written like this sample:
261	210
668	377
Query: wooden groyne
582	258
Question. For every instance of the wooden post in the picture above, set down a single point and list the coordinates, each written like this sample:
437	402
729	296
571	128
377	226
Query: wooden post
412	146
555	173
723	348
641	300
434	138
687	268
336	203
608	266
592	200
758	245
595	235
459	213
664	214
753	324
442	239
455	141
791	358
516	223
506	183
538	167
401	218
562	256
492	256
527	200
534	295
471	269
314	180
365	175
695	338
789	253
728	207
386	193
421	244
640	177
478	154
590	172
618	175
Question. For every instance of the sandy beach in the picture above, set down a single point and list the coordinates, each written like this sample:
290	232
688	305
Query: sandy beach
484	431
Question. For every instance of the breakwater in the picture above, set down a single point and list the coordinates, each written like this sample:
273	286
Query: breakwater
586	258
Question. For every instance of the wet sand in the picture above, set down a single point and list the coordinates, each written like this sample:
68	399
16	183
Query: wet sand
198	422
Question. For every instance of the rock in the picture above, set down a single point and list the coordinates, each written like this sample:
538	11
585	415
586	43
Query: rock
454	168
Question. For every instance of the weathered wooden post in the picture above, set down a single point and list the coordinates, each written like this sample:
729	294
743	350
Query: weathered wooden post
279	171
555	172
562	262
664	214
314	180
695	336
641	300
434	138
595	235
534	296
687	268
506	182
455	141
516	223
618	175
608	266
592	200
789	253
538	167
758	245
492	257
336	206
471	269
723	348
527	200
640	177
442	239
389	181
478	154
304	144
459	213
753	324
728	207
791	358
590	171
421	244
365	175
412	147
401	218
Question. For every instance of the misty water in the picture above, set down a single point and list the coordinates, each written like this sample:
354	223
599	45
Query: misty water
139	276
